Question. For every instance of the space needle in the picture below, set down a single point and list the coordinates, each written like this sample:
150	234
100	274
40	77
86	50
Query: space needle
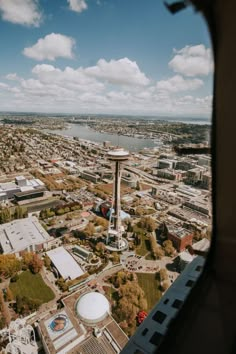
115	242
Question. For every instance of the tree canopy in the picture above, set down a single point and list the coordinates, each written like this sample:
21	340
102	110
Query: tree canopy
147	223
168	248
9	265
157	251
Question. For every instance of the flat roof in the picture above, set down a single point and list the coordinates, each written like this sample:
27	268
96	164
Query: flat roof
81	250
29	192
178	231
18	235
9	186
65	263
18	178
61	332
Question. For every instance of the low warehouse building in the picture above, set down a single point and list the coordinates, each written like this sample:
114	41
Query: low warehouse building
23	235
65	264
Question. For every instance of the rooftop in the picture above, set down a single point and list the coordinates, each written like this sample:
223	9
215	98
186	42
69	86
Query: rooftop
178	231
61	332
92	307
18	235
65	263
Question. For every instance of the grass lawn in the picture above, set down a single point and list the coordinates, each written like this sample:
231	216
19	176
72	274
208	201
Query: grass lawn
108	188
32	286
150	285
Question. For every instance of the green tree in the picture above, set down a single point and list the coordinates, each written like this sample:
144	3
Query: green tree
165	285
115	257
9	265
139	231
100	247
101	222
60	211
25	305
27	258
5	215
62	284
14	278
4	313
197	235
35	264
157	251
163	274
131	301
147	223
89	229
9	295
168	248
47	262
20	212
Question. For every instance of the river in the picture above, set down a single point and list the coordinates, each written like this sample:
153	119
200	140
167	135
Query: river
86	133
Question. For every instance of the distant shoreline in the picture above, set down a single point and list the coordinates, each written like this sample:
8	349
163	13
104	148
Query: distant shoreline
187	120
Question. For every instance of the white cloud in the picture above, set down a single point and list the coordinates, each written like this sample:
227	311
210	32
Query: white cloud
3	86
23	12
192	61
177	84
50	47
44	68
12	77
194	105
77	5
121	72
72	79
115	86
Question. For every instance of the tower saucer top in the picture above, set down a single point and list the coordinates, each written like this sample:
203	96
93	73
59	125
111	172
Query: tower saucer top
118	154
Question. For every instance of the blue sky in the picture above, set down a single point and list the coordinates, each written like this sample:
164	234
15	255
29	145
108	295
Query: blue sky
103	56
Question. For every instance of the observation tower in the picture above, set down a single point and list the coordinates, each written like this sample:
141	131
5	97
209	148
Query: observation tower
115	242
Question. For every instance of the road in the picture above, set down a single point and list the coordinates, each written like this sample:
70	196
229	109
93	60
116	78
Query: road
142	174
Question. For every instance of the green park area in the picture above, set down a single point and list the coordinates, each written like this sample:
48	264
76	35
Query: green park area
150	285
31	286
144	246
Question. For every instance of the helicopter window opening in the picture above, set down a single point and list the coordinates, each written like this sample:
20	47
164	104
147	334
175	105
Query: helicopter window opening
159	316
118	151
156	338
199	268
177	304
145	331
189	283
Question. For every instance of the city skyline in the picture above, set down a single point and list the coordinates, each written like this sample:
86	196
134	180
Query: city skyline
123	57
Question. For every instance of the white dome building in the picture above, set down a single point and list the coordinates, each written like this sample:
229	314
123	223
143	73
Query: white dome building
92	308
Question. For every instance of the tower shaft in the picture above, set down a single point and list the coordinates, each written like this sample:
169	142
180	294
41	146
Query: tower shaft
117	156
117	196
